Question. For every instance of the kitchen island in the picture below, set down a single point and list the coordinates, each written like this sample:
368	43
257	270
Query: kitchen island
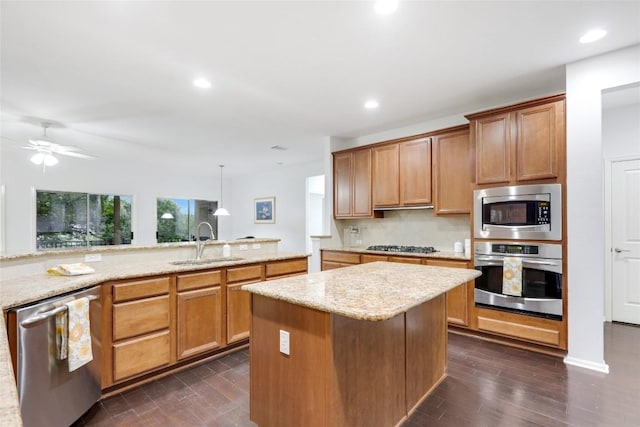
361	345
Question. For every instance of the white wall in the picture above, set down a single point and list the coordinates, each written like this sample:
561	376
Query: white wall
129	175
585	219
288	185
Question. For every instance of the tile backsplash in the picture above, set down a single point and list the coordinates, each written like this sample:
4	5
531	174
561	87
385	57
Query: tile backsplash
419	227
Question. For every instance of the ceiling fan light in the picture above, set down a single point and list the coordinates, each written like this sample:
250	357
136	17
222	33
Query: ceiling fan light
37	158
50	160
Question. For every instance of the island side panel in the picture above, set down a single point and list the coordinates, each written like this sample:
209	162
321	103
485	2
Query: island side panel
288	390
426	340
367	387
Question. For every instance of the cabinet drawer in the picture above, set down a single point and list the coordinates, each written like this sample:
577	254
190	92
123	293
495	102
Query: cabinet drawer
528	332
281	268
342	257
373	258
140	317
241	274
140	289
406	260
140	355
199	280
447	263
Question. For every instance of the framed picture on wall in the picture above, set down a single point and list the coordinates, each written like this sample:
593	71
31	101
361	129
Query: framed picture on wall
264	209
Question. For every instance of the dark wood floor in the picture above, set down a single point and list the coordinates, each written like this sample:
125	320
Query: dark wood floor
488	385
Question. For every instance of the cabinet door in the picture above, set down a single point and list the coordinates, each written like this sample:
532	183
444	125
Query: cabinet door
238	313
452	173
457	298
415	172
199	321
342	185
539	136
361	183
492	137
386	175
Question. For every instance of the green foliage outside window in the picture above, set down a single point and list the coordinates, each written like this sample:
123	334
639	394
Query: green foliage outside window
71	220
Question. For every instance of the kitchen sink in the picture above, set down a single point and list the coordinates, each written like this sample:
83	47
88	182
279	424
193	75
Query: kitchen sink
205	261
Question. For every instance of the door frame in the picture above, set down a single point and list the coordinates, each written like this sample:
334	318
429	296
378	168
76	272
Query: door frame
608	244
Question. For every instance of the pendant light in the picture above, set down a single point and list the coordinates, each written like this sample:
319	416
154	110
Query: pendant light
221	211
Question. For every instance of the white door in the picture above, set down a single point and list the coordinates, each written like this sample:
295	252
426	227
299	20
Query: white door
625	238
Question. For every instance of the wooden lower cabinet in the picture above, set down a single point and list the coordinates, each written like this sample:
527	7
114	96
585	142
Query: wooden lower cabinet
338	259
239	301
155	324
138	315
199	321
531	329
460	299
198	313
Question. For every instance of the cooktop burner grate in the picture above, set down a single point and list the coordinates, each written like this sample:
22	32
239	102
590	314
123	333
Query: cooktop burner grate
398	248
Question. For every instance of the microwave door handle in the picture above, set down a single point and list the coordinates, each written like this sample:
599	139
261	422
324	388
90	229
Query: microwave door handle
512	227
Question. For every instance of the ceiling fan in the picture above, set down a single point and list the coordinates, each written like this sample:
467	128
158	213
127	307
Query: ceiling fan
45	149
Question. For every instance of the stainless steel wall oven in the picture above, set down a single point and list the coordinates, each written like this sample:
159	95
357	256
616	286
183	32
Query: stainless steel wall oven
541	290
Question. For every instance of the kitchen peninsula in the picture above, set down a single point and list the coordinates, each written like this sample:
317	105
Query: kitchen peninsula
360	345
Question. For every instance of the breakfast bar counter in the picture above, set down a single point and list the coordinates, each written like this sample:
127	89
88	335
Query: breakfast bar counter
360	345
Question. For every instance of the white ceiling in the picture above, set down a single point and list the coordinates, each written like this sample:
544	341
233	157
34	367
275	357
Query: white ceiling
115	77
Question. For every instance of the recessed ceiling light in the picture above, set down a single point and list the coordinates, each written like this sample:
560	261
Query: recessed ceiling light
592	36
371	104
203	83
385	7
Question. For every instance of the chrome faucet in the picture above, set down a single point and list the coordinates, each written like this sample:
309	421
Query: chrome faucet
199	242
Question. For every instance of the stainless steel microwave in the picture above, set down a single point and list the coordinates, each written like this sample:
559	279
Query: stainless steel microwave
529	212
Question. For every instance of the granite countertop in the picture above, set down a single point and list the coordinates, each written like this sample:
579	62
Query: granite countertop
462	256
38	286
373	291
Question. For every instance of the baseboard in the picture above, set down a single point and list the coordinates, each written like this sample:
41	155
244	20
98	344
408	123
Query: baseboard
587	364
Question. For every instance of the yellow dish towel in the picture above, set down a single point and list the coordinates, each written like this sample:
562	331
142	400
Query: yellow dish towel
512	276
62	336
79	352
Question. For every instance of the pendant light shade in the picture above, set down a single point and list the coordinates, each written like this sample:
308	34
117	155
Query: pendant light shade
221	211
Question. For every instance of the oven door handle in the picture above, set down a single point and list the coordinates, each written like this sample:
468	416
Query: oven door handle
498	261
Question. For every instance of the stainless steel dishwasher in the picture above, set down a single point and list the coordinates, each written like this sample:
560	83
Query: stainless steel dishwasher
49	394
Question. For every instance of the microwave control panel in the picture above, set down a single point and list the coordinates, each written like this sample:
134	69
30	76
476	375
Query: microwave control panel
543	212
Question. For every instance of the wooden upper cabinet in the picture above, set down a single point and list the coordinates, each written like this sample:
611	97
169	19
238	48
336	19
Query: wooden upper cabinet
362	183
342	185
402	173
452	172
493	148
386	175
540	134
520	143
352	184
415	172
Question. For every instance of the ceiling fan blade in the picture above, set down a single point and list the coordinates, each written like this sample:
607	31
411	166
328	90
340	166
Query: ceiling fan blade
61	148
74	154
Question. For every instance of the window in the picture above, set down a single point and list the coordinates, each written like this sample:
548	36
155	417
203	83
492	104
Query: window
178	218
75	220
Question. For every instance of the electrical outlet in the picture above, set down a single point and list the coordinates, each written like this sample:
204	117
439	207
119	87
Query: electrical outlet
284	342
92	257
255	246
243	247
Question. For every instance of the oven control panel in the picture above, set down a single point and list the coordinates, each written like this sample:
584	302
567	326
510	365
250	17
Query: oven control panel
506	248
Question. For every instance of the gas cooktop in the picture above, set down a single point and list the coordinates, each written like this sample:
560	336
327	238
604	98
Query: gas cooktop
397	248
